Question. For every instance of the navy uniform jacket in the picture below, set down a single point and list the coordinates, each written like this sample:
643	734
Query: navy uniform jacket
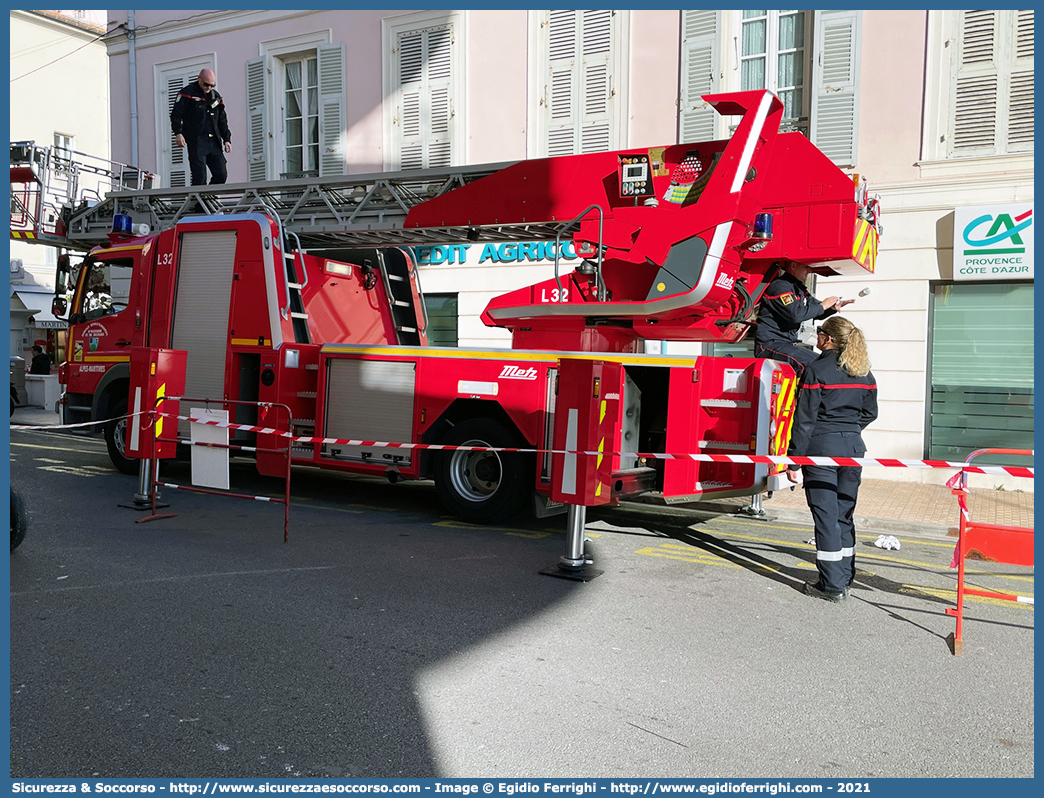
198	114
785	304
831	401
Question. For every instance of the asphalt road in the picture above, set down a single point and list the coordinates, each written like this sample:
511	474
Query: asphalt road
389	640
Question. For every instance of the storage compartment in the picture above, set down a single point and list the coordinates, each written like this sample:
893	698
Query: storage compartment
369	400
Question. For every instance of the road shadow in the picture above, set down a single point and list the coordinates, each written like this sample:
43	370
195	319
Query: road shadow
202	646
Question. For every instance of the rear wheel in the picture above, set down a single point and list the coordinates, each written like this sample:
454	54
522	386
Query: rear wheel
116	440
483	487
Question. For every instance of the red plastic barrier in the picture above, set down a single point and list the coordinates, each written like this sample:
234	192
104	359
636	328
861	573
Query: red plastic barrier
993	542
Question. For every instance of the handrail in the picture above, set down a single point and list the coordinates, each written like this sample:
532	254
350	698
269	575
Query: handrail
600	290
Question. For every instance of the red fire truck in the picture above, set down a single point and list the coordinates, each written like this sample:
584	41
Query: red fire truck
306	295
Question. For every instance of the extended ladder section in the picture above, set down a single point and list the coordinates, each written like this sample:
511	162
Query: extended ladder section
324	213
49	185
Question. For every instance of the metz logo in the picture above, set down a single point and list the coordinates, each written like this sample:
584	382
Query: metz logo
724	281
518	373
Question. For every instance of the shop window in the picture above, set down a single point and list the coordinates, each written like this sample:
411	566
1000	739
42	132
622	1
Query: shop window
981	390
442	319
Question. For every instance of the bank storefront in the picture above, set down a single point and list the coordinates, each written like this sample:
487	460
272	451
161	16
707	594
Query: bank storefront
980	381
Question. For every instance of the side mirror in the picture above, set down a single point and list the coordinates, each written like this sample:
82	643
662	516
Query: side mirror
58	306
63	273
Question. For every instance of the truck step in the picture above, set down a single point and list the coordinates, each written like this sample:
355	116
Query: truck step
724	403
735	446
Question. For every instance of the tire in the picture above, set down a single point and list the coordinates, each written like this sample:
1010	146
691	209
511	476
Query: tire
115	440
483	487
19	520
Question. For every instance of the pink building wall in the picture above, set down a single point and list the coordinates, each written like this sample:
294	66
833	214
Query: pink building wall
497	100
891	94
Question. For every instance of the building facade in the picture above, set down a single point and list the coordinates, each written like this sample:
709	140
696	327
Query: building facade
935	108
50	51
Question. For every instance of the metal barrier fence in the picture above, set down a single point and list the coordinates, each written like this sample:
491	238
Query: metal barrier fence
155	484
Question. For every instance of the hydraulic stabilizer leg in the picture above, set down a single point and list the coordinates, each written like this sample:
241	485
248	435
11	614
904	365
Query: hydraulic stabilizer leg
574	563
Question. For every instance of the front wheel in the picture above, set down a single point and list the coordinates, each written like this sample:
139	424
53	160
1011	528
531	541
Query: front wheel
483	487
116	440
19	520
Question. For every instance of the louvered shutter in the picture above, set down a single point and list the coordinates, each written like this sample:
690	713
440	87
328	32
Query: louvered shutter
426	117
700	70
439	64
835	98
333	160
596	48
560	94
411	85
1020	102
257	126
976	87
177	157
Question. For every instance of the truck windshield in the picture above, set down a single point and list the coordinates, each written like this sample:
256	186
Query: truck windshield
106	287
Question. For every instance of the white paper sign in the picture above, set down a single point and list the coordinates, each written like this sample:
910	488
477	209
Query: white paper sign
209	465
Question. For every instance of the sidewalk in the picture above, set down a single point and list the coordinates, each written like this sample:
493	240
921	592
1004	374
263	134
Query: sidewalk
913	508
884	506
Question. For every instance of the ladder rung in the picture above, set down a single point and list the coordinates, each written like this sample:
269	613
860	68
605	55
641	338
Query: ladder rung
400	304
407	329
295	315
295	286
397	278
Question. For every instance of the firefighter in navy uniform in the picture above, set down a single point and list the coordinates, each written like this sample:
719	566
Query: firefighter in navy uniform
838	399
199	122
785	304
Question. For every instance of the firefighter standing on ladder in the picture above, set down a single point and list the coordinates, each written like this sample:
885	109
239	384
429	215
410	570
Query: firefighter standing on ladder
198	121
784	306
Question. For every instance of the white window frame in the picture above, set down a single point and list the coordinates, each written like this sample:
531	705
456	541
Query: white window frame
943	28
274	51
391	29
733	24
302	60
620	84
164	138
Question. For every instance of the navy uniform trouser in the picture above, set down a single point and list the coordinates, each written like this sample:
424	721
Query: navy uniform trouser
207	152
831	493
786	352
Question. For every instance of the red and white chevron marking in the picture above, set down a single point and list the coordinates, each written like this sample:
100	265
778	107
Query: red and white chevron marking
763	459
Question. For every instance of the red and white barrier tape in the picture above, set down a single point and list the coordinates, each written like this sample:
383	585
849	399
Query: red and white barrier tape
739	459
1015	471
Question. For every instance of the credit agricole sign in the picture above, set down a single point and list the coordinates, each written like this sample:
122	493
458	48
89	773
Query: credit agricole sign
993	242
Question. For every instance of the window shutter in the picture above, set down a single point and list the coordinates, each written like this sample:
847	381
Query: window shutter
700	70
559	93
1020	103
596	46
976	85
425	68
440	97
835	98
177	168
257	132
333	160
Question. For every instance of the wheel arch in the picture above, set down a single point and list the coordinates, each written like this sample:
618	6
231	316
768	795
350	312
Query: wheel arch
459	410
113	386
